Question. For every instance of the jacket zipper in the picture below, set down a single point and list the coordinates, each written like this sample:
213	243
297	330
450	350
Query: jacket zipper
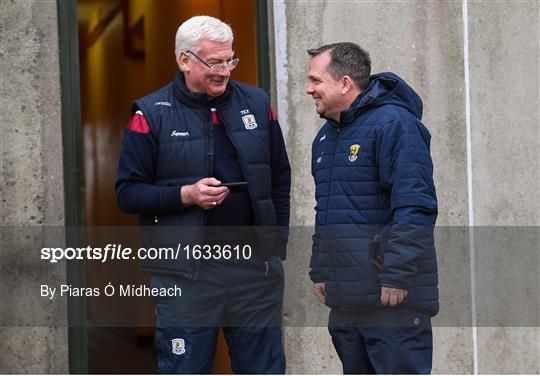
203	222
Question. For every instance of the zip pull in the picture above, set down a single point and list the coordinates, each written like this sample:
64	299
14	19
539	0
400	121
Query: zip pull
155	219
266	266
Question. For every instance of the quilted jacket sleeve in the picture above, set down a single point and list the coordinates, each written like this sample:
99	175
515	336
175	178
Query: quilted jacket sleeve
135	190
406	175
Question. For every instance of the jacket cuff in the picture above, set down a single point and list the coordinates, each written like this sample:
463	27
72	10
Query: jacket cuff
393	281
315	276
170	200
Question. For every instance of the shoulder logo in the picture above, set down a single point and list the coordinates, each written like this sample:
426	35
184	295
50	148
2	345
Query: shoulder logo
163	104
322	138
178	346
353	152
175	133
249	121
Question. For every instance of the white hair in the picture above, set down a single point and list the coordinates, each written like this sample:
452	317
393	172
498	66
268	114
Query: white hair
196	28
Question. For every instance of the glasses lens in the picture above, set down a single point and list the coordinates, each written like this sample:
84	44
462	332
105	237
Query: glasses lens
233	63
218	68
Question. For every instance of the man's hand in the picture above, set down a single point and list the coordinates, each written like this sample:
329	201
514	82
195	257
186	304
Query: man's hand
319	291
205	193
391	296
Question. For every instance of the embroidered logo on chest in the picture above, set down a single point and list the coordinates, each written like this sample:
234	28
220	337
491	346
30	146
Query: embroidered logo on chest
175	133
353	152
249	120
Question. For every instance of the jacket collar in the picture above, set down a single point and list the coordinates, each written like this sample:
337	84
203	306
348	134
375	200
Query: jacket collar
346	116
198	100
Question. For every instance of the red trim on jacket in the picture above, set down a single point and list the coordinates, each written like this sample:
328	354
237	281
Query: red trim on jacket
215	118
273	116
138	124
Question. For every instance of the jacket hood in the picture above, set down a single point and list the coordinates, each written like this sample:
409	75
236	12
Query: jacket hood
384	89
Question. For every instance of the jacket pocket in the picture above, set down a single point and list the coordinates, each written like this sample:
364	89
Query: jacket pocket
274	267
376	252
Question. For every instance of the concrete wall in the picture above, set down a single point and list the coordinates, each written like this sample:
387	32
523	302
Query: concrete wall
33	334
505	138
424	43
421	41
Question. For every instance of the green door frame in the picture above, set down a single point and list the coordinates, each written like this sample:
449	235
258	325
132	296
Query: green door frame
263	44
73	181
72	156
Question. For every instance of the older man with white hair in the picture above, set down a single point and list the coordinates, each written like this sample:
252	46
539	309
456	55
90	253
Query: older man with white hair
201	153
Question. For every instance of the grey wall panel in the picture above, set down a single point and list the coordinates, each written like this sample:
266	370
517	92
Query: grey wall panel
505	128
32	187
505	118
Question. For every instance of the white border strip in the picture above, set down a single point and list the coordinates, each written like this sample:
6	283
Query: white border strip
469	181
282	77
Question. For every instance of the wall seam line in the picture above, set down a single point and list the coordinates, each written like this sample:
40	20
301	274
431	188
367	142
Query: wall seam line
472	252
282	78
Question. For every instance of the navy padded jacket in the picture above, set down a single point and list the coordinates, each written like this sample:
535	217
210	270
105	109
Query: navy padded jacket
376	203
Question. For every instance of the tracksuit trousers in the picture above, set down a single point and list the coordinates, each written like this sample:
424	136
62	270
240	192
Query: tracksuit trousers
243	298
390	340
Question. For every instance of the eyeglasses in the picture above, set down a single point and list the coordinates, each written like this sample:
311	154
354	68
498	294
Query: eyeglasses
218	68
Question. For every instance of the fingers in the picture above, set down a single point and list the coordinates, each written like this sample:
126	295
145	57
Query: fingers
211	190
209	181
320	295
393	301
208	205
220	197
385	296
211	201
392	296
320	292
207	193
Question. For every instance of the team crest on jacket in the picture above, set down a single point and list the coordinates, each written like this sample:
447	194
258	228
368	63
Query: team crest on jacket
353	152
178	346
249	121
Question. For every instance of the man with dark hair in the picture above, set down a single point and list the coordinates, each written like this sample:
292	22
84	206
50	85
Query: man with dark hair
201	153
373	260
